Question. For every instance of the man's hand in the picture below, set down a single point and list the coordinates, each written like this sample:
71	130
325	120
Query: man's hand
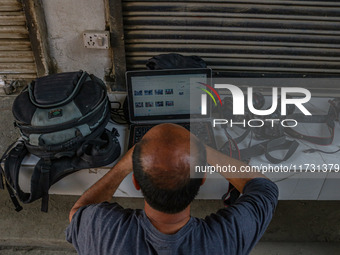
239	180
104	189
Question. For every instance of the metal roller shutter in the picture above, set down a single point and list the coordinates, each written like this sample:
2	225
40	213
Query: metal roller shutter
16	56
242	37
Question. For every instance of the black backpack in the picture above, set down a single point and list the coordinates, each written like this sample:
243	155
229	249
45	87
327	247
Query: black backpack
62	119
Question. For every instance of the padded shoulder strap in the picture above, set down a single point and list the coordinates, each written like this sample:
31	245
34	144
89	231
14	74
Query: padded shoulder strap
3	157
11	171
39	180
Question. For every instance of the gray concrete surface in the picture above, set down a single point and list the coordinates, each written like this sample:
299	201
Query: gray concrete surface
298	227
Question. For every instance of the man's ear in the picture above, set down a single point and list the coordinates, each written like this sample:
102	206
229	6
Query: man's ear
204	178
135	183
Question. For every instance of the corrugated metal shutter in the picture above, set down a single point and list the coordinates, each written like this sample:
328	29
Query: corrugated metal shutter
16	56
244	36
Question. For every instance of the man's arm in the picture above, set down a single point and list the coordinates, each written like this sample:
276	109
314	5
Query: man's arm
104	189
239	180
248	218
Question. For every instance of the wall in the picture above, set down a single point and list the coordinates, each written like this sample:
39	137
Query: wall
66	21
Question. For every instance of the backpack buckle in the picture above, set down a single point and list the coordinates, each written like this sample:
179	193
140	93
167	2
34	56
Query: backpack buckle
15	153
45	168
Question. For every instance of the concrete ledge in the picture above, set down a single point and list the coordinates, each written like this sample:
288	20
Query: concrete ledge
40	243
262	248
296	248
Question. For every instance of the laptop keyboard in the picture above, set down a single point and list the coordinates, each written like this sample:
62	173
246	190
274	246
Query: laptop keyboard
202	130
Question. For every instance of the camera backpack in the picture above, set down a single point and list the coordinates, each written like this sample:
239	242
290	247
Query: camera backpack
62	119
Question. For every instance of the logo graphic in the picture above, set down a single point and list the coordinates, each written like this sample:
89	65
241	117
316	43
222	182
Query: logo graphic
280	98
239	101
204	97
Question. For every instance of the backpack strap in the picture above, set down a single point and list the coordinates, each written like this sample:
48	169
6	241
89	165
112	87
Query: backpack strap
4	156
11	172
44	182
98	152
11	193
39	180
70	82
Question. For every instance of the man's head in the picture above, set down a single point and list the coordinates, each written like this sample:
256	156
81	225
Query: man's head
161	167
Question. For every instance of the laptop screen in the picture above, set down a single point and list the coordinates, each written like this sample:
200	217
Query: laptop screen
164	94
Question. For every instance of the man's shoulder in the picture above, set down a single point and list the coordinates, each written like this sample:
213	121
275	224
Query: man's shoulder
98	216
106	212
111	208
102	223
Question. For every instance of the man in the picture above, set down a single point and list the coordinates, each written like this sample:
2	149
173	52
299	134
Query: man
161	166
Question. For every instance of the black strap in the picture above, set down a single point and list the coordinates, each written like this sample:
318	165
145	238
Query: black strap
1	179
327	119
311	150
11	171
231	196
230	147
1	174
280	144
15	201
45	170
266	147
3	157
101	151
40	178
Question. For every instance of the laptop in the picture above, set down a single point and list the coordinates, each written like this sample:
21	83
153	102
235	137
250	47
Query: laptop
168	96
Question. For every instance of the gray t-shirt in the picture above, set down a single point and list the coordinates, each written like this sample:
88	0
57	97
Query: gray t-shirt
107	228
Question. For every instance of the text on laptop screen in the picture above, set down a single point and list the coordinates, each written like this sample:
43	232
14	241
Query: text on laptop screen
165	95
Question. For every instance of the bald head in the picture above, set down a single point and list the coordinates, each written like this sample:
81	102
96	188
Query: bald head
164	156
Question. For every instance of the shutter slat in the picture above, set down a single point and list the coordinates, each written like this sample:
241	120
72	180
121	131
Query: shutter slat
204	29
227	15
14	45
250	4
232	49
260	69
227	43
16	76
218	36
16	57
140	56
16	68
10	6
16	20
